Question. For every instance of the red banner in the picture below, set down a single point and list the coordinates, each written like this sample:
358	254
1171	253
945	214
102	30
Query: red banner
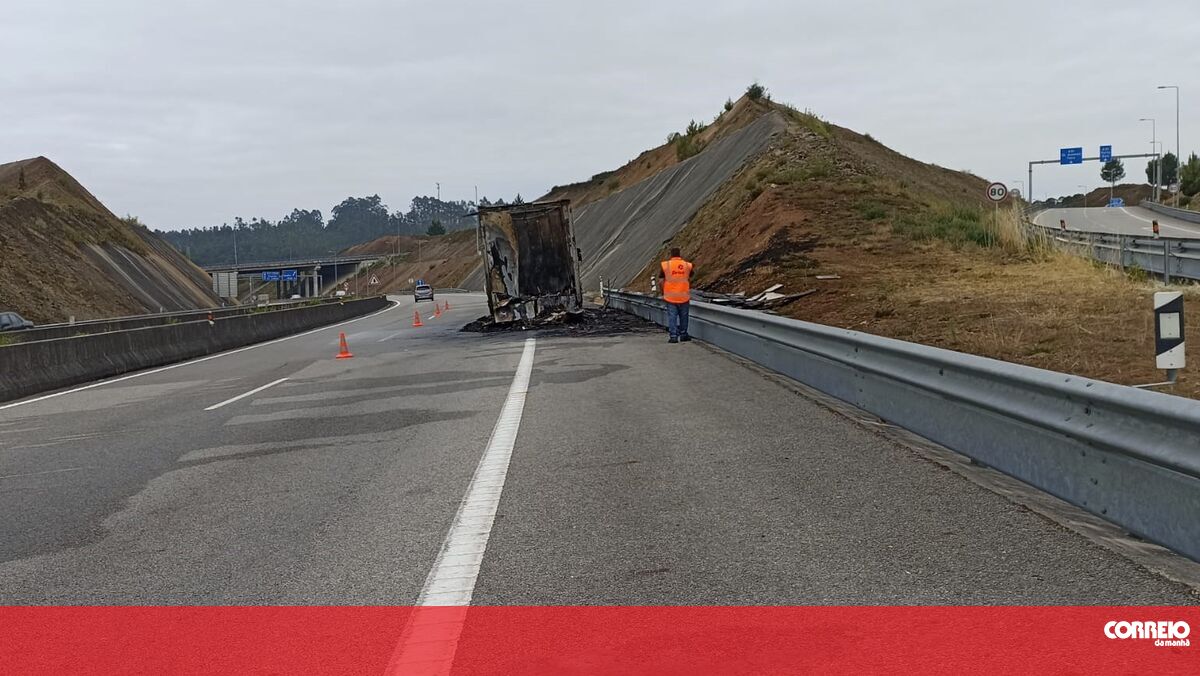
585	640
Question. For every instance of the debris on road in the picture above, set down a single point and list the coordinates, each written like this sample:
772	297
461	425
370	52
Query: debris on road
588	321
768	299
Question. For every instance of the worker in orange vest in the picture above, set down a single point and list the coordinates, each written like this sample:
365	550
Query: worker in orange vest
675	274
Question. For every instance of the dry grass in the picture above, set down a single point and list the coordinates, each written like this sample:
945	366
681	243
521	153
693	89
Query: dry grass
988	287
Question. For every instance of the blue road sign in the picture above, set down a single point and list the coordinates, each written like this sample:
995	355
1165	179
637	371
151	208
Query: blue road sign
1070	156
271	276
290	275
1105	153
1116	202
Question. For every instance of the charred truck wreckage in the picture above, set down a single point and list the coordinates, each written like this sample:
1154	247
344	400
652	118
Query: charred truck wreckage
530	261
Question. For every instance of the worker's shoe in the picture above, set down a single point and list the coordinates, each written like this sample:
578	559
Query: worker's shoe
685	338
673	339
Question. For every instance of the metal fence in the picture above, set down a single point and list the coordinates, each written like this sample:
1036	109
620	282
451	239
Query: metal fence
1128	455
1170	257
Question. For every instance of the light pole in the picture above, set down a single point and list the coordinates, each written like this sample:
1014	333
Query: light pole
1153	136
1084	190
1158	162
1178	149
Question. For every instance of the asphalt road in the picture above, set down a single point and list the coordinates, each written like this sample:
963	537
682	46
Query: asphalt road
1118	220
640	473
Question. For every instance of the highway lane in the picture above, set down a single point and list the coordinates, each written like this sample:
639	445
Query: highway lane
337	484
1118	220
642	472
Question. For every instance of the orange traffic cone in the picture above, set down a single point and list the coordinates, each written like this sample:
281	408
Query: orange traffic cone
447	305
417	318
437	310
344	353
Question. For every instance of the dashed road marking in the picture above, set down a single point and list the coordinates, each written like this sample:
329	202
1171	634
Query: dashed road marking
245	394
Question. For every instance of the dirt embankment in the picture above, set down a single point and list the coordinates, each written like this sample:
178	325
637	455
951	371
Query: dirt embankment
649	163
442	261
65	254
908	251
1132	193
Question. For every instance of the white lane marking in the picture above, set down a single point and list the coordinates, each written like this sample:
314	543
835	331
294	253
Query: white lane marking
245	394
429	641
151	372
49	471
1161	225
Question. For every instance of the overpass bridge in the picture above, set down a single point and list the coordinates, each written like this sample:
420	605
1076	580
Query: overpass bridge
311	275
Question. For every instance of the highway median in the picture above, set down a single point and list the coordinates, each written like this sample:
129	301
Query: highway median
39	366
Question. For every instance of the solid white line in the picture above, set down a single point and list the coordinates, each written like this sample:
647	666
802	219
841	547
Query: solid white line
139	374
428	643
472	526
244	395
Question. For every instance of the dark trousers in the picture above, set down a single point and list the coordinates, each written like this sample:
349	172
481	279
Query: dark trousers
677	319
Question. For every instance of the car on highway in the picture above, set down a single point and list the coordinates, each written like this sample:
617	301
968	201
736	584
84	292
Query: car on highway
422	292
11	321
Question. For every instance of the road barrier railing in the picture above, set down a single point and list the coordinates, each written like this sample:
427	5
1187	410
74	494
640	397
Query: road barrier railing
1181	214
1178	258
38	366
67	329
1128	455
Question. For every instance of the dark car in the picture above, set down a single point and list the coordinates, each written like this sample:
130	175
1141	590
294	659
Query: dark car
11	321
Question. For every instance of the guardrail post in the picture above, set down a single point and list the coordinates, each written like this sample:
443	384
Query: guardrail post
1121	251
1167	261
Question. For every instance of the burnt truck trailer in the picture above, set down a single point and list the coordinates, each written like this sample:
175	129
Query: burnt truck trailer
530	260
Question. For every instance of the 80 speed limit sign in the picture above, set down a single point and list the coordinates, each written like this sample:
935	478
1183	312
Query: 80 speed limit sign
996	192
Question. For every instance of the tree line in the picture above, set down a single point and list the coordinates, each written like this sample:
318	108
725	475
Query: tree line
305	233
1187	177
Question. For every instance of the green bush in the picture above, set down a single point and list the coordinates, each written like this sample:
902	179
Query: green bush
728	105
756	91
872	211
817	167
955	224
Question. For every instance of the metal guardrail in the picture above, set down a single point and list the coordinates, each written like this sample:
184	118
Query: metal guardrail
1177	258
1128	455
1181	214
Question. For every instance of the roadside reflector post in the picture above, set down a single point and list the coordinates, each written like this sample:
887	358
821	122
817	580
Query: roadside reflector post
1169	349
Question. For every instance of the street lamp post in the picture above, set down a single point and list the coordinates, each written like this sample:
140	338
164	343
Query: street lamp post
1084	190
1153	149
1178	149
1158	162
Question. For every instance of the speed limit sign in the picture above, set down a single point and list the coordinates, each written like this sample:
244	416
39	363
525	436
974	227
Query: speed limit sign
996	192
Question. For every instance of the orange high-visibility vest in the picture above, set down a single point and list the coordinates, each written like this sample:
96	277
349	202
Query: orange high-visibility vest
675	280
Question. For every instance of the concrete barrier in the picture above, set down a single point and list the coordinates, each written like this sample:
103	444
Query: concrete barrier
1181	214
39	366
65	330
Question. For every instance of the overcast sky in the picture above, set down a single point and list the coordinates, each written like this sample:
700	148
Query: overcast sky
191	112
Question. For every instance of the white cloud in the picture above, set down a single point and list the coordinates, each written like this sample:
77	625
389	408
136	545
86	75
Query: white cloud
189	113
